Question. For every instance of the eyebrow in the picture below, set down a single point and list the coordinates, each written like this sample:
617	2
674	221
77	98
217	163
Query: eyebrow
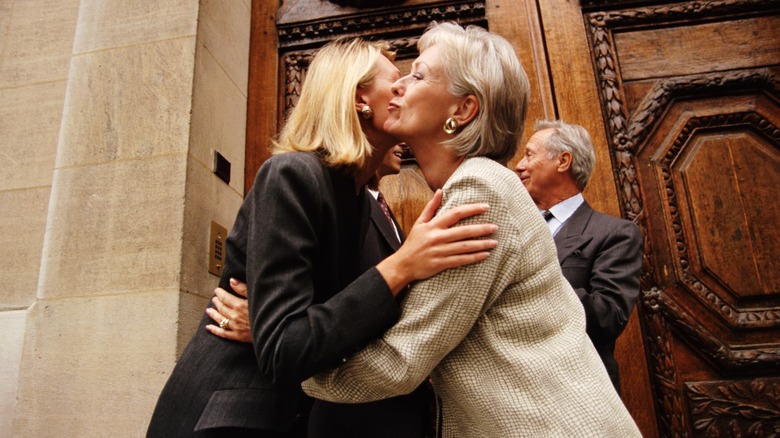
417	64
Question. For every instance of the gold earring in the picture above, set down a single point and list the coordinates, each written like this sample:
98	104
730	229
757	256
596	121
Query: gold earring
366	112
450	126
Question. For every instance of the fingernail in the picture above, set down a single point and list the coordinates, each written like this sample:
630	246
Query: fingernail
233	281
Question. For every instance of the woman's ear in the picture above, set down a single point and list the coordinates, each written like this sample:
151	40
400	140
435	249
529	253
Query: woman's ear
360	101
467	110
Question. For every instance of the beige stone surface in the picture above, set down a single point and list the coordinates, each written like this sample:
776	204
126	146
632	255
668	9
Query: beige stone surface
105	151
105	24
191	310
12	328
130	102
94	366
29	128
22	227
218	117
114	228
223	28
207	199
37	37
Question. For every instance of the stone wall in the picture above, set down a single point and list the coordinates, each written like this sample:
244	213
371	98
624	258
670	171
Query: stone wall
110	113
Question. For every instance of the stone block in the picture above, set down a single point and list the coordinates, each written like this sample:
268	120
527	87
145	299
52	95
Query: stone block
128	103
94	366
12	327
30	119
218	117
22	228
37	40
105	24
115	228
223	28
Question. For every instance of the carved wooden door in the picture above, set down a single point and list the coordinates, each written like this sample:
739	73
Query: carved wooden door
682	102
691	99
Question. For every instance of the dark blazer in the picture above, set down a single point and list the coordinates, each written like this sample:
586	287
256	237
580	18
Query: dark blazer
601	257
301	230
404	416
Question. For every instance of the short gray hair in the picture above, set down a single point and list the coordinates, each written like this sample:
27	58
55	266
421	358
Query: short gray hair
483	64
573	139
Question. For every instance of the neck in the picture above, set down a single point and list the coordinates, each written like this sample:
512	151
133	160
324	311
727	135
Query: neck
556	197
368	171
437	162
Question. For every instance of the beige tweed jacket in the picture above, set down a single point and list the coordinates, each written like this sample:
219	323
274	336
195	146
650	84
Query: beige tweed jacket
503	340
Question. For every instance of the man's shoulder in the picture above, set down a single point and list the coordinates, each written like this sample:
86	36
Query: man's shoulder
612	224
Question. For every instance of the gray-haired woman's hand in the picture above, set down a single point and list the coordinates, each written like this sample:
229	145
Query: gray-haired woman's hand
434	245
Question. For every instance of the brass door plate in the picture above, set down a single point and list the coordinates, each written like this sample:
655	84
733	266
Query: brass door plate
217	236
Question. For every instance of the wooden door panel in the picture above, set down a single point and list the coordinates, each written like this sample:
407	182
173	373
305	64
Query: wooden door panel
695	140
698	46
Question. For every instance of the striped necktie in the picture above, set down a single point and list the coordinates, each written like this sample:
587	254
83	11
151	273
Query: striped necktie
385	209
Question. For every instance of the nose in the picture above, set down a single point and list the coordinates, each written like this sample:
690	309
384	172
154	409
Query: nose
520	166
398	86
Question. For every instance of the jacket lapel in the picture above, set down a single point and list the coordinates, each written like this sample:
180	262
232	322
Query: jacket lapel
380	220
571	235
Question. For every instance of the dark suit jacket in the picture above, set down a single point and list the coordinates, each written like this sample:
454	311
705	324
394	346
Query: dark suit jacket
405	416
381	240
301	230
601	257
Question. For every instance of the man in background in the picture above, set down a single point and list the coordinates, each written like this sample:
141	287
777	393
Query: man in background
600	255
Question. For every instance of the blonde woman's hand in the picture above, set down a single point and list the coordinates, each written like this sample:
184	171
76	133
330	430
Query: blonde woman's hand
231	313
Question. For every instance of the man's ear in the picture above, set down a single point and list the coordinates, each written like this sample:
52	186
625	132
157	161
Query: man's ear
564	162
467	109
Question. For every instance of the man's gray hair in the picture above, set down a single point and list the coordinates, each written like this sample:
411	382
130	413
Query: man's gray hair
575	140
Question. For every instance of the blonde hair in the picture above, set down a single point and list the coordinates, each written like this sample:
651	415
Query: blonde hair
325	119
484	65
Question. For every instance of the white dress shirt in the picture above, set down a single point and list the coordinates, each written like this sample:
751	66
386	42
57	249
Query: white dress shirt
562	211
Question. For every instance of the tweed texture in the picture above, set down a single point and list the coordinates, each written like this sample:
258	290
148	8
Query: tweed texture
503	340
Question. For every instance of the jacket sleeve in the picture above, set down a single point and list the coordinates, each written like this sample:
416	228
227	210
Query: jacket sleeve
614	282
436	316
290	229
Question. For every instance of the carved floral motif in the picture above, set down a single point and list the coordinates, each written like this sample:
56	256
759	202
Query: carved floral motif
728	408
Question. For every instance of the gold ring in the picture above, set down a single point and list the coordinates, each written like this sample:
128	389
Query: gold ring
224	323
